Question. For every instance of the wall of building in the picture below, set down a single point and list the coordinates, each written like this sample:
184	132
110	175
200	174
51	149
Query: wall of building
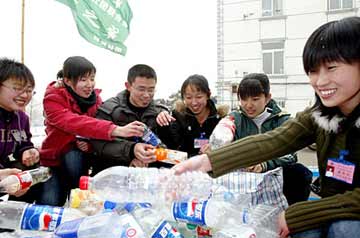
243	30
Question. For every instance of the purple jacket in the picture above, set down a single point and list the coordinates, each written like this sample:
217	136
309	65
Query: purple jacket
15	136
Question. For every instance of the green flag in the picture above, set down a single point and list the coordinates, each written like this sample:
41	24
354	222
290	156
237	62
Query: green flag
104	23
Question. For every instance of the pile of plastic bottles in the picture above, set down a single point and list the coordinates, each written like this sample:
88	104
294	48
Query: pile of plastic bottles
142	203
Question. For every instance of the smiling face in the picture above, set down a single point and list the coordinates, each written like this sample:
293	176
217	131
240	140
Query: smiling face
195	100
84	86
142	91
337	84
254	105
14	95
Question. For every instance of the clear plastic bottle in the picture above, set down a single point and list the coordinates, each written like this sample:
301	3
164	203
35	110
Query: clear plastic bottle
20	215
151	221
104	225
127	184
151	138
223	133
219	214
240	231
24	179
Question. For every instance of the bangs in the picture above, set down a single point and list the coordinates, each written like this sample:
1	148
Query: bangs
251	88
336	41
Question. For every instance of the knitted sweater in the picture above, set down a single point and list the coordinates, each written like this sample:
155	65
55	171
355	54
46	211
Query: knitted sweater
340	200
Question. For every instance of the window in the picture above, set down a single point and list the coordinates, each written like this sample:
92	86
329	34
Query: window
273	57
272	8
340	4
280	102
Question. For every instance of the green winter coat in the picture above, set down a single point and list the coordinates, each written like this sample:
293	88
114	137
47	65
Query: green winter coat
245	126
340	200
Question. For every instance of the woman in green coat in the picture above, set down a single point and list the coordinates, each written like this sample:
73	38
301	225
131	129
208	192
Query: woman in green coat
331	59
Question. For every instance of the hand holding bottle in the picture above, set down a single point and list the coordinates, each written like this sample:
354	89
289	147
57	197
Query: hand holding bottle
132	129
23	180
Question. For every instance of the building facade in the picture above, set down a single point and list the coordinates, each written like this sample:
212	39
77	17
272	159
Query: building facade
268	36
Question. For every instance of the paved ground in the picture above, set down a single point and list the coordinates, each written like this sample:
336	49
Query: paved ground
307	157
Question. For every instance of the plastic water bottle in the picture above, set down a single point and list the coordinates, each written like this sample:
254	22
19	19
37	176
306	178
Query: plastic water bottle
127	184
25	179
223	133
20	215
240	231
104	225
151	221
210	213
151	138
219	214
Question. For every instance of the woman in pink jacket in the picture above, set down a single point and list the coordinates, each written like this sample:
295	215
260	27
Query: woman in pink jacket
69	110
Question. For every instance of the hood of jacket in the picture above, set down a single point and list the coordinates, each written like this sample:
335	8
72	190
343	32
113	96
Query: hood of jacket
332	124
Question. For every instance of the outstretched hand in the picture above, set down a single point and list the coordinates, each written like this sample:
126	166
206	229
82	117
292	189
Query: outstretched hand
283	228
134	128
196	163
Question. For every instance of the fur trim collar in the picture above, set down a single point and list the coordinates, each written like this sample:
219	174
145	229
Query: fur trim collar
331	125
222	110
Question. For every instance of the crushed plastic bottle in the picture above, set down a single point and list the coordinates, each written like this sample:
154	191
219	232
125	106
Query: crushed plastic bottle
24	179
240	231
127	184
151	221
210	213
21	215
223	133
104	225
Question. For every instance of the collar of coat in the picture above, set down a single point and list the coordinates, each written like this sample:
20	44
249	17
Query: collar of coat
332	124
220	110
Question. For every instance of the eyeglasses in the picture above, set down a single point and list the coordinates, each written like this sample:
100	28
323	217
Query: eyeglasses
145	90
18	91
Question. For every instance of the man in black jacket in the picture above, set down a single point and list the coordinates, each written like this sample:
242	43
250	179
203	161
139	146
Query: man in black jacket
135	103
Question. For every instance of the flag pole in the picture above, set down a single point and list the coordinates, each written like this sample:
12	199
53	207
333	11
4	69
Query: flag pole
22	29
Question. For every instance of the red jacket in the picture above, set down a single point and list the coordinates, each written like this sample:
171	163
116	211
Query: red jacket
64	120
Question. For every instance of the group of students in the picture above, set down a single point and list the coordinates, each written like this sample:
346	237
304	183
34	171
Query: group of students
82	130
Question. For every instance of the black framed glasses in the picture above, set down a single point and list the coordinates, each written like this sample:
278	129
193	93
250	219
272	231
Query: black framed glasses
18	90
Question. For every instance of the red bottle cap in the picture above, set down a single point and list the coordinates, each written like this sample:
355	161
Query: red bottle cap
84	182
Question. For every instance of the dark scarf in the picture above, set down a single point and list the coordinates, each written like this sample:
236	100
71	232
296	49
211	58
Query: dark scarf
83	103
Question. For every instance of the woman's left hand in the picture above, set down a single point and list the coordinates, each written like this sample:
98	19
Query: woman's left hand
283	228
30	157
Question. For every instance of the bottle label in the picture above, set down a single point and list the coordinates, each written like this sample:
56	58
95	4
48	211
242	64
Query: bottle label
131	229
25	179
42	218
165	230
192	211
150	138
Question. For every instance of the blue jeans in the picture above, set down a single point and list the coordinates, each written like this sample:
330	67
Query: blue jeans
336	229
74	164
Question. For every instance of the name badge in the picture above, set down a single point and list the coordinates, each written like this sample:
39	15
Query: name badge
341	170
199	142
